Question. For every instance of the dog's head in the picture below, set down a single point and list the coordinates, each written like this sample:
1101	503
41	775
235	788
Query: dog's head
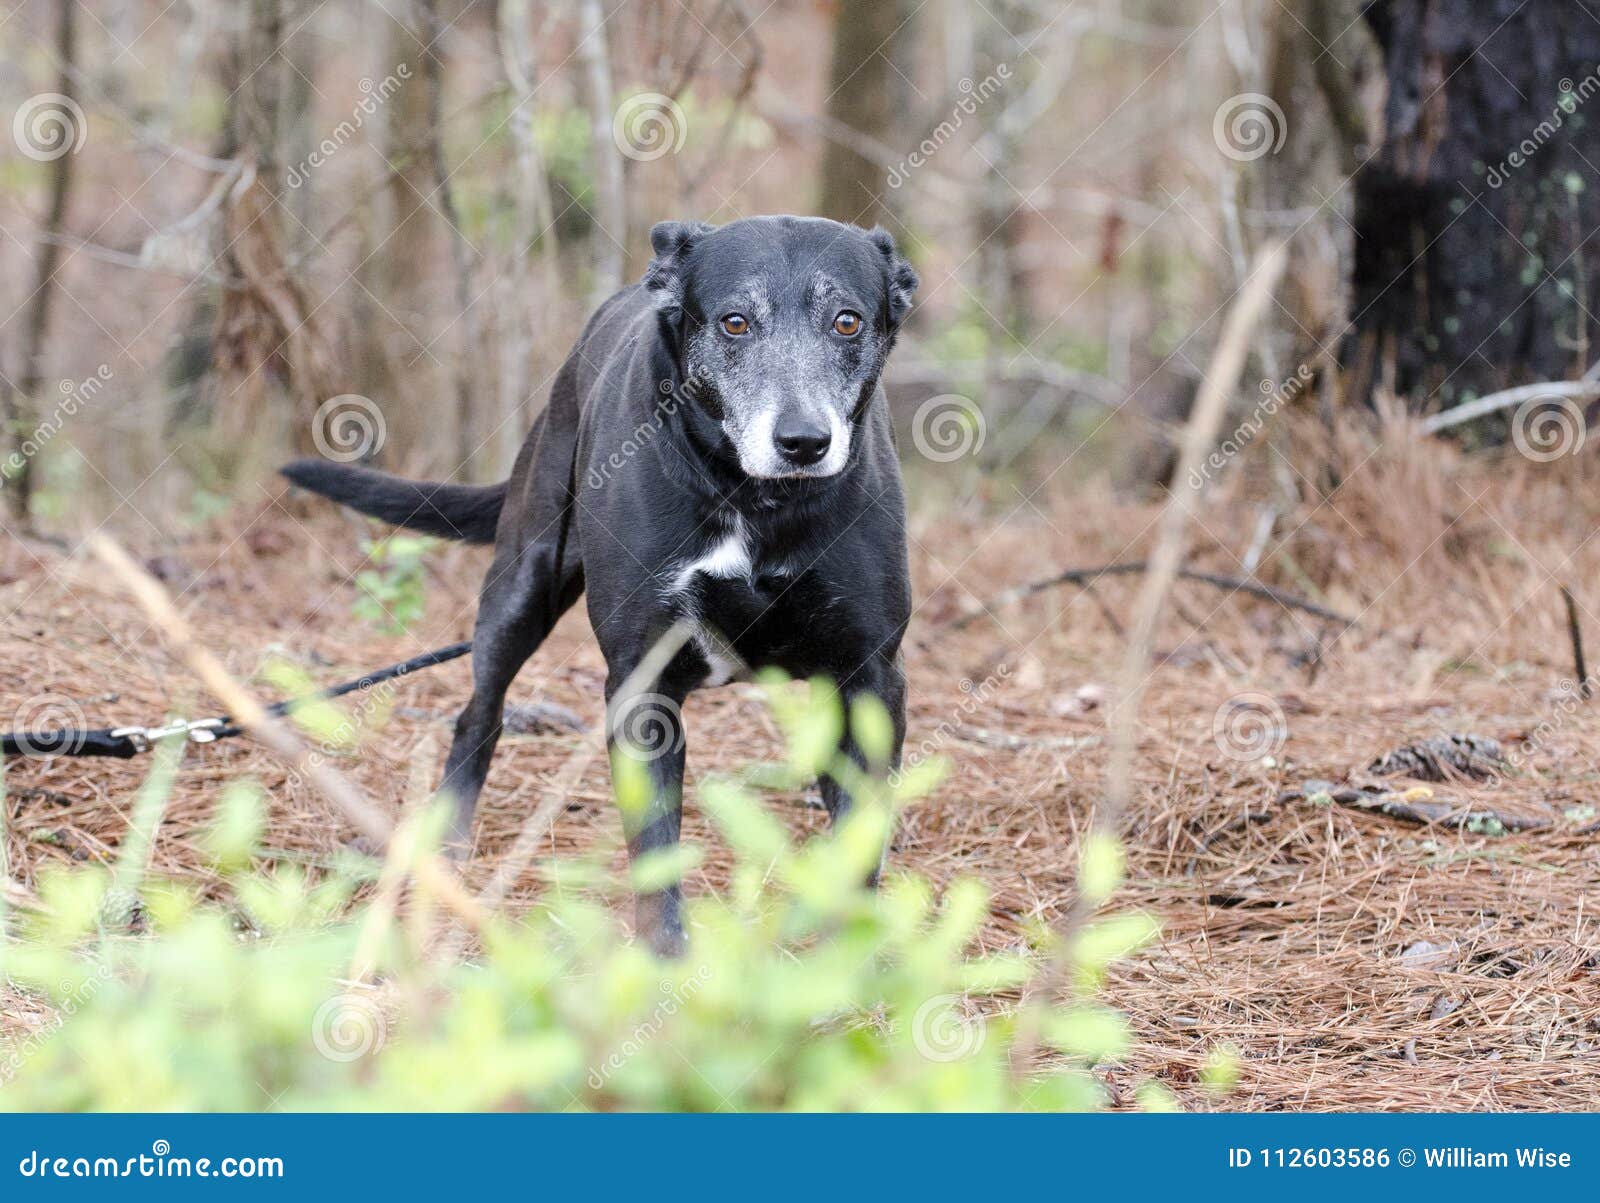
783	325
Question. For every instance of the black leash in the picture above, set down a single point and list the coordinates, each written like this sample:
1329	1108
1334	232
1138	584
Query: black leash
126	742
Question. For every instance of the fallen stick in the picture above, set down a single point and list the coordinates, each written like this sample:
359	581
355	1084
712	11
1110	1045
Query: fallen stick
251	714
1555	390
1415	806
1575	633
1086	577
1133	677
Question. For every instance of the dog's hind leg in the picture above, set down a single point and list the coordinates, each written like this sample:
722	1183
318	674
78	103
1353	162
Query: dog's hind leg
886	681
520	603
536	576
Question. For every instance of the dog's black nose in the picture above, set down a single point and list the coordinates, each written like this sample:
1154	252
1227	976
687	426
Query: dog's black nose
801	442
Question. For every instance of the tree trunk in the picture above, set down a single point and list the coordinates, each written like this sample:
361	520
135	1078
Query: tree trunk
21	403
1470	274
468	343
267	340
869	95
609	236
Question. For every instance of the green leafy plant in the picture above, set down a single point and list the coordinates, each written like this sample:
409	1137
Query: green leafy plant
346	987
393	589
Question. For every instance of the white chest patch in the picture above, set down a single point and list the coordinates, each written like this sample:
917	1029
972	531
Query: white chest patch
728	558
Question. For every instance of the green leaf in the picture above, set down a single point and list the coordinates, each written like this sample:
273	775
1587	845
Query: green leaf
1101	867
872	729
1095	1033
1220	1073
664	867
235	832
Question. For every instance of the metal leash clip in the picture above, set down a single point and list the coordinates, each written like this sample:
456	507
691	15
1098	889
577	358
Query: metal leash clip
201	731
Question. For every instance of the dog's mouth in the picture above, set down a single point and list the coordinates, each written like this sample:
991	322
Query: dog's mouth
760	457
811	472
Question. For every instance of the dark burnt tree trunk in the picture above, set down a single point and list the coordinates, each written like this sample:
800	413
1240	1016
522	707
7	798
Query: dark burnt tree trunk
1472	267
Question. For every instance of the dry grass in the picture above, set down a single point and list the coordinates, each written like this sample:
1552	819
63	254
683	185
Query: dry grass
1354	961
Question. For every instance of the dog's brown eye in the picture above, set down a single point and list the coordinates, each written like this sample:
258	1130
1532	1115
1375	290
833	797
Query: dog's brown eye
847	324
735	324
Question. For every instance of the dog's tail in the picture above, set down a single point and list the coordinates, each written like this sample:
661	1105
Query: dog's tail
464	512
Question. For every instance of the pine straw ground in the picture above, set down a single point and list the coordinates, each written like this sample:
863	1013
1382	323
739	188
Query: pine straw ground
1354	960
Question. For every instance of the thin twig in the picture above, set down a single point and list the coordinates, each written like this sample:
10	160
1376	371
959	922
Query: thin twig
1086	577
1551	391
251	714
1221	379
1575	632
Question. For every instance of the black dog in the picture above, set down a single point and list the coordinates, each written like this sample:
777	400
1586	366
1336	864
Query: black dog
717	451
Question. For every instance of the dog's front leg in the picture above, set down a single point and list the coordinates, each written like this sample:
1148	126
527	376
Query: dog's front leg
885	681
646	727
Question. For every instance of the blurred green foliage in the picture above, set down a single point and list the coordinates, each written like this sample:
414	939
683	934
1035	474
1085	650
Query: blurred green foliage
393	587
340	987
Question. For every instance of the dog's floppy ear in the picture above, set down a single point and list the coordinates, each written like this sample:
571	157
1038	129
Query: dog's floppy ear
899	275
672	241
